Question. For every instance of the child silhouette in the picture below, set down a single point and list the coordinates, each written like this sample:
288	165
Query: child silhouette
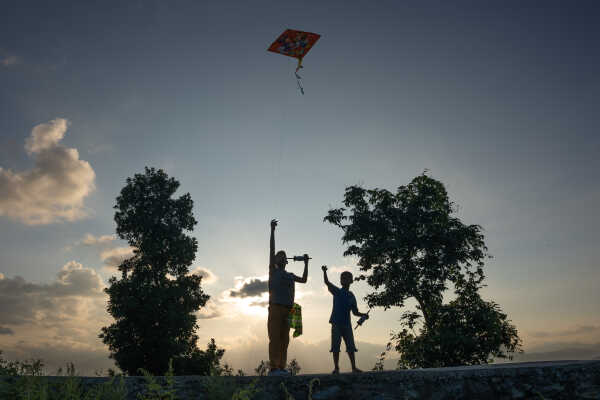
343	302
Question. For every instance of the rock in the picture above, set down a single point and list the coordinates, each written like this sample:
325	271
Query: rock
327	394
570	380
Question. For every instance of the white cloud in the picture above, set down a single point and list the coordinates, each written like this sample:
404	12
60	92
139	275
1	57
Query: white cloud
112	258
55	188
91	240
45	136
208	277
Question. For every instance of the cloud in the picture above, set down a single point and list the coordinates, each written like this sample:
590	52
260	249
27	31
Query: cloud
253	287
22	302
91	240
9	61
55	188
568	332
6	331
208	277
212	309
259	304
558	351
112	258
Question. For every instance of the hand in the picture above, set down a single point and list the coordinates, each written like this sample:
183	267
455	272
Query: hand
273	223
324	268
306	259
366	316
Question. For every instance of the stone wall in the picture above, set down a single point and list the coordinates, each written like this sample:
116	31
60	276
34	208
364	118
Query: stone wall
549	380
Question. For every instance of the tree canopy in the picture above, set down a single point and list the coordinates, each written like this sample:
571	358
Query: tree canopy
154	315
409	244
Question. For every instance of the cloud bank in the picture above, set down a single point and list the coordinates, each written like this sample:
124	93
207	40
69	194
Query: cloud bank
55	188
251	288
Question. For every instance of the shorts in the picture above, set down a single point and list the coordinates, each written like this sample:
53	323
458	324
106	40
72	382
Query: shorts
342	331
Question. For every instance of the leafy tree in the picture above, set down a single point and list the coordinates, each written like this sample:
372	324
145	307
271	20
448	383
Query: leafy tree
263	368
468	331
207	362
154	315
293	367
410	245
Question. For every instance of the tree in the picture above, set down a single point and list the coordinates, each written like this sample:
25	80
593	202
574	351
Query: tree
410	245
293	367
263	368
154	315
206	363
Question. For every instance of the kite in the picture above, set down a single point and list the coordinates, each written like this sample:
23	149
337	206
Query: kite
295	44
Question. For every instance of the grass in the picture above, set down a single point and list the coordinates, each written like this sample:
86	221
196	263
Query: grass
30	384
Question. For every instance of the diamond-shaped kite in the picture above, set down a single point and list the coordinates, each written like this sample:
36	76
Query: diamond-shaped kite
295	44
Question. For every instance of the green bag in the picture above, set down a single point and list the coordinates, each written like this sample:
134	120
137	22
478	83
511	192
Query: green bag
295	320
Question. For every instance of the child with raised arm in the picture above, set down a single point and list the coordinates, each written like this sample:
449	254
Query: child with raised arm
341	327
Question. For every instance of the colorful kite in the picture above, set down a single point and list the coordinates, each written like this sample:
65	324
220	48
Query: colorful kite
295	44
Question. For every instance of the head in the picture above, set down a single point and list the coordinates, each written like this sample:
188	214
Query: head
346	279
281	259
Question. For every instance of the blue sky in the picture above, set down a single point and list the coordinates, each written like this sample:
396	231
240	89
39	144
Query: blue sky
498	101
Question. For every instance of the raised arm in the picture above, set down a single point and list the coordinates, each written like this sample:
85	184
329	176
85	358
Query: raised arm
272	243
326	280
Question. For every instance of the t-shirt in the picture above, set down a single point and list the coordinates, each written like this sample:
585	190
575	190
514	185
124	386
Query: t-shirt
281	287
343	302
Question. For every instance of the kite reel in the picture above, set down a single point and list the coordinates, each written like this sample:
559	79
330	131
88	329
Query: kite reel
299	258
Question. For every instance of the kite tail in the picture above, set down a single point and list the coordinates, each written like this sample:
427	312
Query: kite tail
298	77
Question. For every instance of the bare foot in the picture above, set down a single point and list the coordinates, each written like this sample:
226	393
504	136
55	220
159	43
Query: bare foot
356	370
336	371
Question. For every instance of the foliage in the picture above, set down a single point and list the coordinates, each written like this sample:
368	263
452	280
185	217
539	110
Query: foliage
218	388
32	385
263	368
20	368
207	362
380	364
155	391
468	331
293	367
410	245
154	315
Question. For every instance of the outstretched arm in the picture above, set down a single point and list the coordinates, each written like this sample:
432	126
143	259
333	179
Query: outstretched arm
305	273
272	243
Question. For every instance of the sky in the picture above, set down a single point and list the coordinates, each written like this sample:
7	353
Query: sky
497	100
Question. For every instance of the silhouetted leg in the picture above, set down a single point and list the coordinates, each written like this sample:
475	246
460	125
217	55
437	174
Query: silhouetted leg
336	361
285	339
348	336
274	334
336	340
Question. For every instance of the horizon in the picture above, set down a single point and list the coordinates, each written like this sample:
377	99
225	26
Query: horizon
497	101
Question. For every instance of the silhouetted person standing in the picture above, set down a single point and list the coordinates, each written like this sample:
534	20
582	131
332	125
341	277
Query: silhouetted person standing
343	302
281	300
